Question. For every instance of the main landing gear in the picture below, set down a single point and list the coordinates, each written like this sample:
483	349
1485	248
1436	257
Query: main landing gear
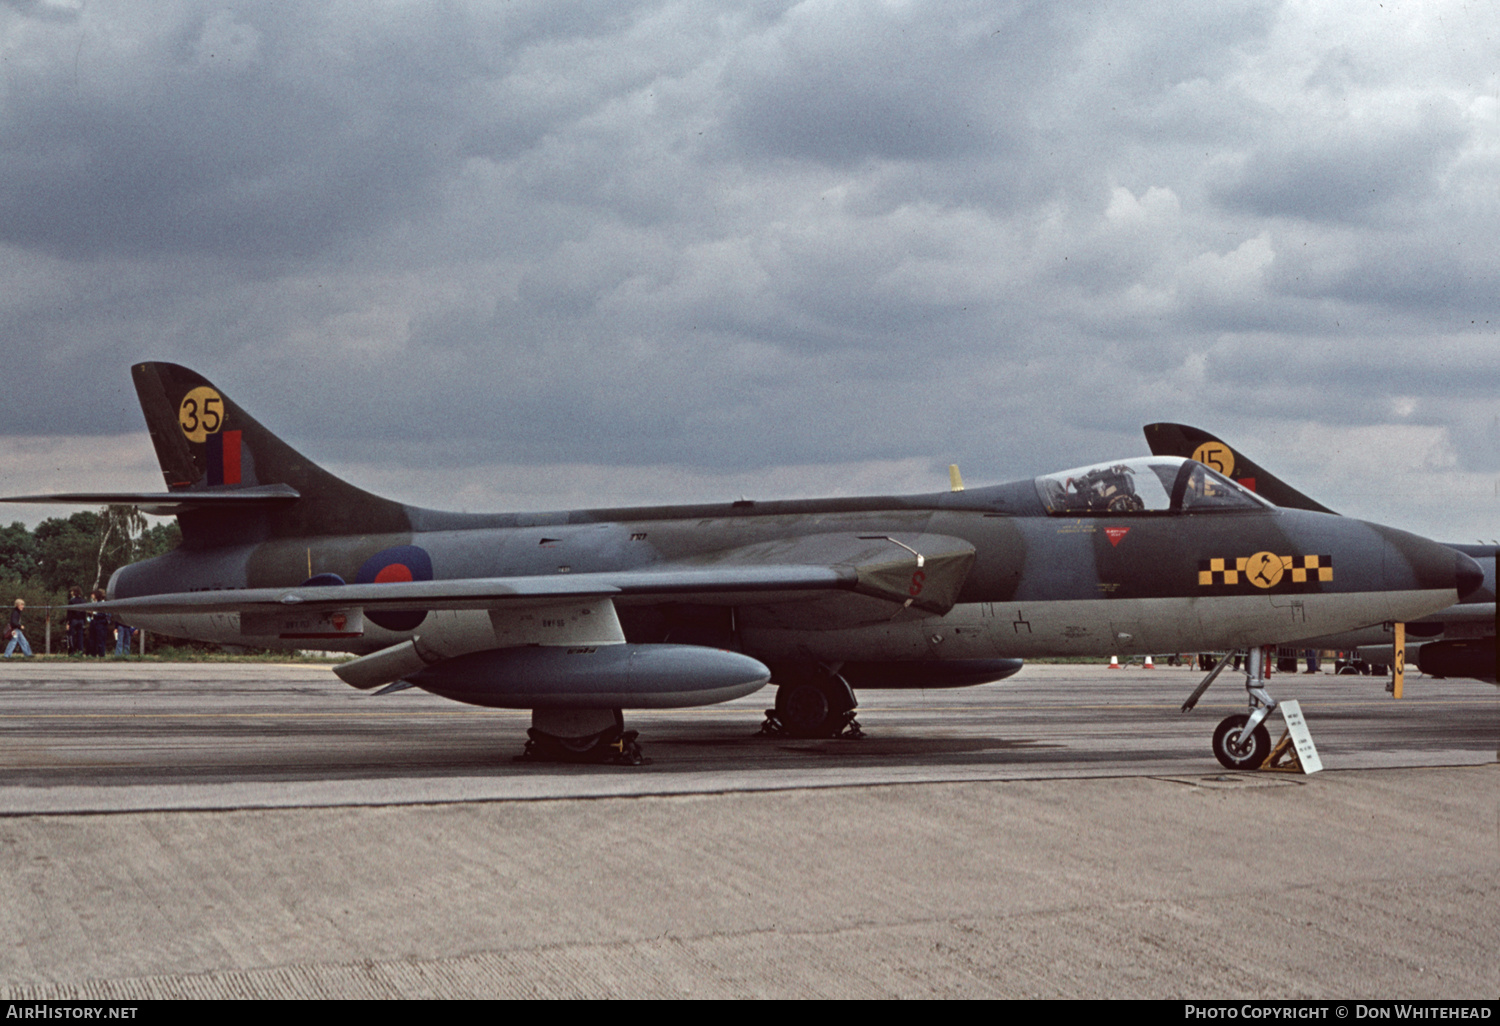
1242	741
595	736
812	701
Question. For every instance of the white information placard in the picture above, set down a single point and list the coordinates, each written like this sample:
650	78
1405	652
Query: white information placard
1307	752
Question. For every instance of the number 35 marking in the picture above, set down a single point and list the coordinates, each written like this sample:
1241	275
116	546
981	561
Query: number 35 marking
201	414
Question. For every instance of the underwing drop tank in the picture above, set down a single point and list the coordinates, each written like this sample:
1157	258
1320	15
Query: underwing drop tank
625	676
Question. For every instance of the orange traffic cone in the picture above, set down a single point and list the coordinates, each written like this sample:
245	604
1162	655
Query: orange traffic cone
1148	665
1114	662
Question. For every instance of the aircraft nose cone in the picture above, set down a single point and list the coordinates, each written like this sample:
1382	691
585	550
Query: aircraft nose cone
1467	574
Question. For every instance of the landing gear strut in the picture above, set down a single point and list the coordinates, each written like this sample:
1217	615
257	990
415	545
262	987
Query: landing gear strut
1242	742
581	735
812	702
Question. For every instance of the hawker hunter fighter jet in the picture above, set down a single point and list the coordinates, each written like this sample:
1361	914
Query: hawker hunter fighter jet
578	615
1460	641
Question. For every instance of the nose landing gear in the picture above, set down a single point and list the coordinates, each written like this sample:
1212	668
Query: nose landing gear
1242	741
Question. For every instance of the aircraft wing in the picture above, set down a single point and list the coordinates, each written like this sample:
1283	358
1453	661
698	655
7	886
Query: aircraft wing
484	592
919	570
1482	613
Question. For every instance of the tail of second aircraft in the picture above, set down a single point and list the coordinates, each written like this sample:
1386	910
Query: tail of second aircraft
1195	443
233	480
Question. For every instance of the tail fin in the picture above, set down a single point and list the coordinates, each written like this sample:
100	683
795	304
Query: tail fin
1182	440
207	444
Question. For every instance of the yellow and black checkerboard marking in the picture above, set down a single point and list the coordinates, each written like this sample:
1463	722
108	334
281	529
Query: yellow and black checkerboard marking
1268	569
1322	566
1207	568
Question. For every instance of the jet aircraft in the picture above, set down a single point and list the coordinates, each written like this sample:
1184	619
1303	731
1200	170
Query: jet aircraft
1460	641
578	615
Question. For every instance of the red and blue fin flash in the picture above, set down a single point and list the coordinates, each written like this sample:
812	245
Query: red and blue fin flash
222	452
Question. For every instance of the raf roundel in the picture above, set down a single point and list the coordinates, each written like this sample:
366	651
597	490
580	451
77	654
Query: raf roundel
400	563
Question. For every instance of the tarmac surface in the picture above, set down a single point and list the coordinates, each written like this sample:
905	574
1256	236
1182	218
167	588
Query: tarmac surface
216	830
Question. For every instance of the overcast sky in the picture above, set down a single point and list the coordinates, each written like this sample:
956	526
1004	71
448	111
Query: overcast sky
533	255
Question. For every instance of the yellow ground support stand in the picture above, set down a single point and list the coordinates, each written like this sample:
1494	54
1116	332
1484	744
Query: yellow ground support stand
1283	757
1295	752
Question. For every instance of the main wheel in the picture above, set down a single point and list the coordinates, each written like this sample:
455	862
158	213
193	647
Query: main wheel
612	744
813	705
1248	754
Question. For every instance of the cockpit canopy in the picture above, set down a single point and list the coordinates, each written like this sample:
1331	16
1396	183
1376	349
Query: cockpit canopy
1150	484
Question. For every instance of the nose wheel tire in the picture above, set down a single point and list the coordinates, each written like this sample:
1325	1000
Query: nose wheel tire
1234	753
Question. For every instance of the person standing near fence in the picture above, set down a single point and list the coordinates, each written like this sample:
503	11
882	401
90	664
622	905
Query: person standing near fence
122	636
77	621
100	630
17	632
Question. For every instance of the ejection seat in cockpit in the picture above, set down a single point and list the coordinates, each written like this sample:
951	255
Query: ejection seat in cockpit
1103	490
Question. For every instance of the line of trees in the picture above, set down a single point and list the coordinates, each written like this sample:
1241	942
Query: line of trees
83	549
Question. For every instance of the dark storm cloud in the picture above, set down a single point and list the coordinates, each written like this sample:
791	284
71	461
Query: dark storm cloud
738	237
253	133
1335	170
844	84
46	10
1449	280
